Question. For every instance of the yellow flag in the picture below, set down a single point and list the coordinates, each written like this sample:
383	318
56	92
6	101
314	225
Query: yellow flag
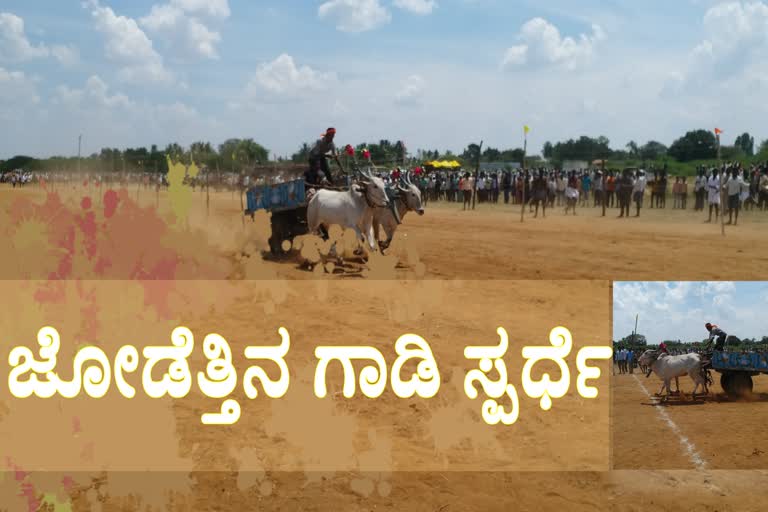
527	129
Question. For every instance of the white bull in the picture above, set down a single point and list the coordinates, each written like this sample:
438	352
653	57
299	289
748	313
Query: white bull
352	209
671	367
408	200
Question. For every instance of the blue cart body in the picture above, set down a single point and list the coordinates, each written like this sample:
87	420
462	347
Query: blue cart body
283	196
740	362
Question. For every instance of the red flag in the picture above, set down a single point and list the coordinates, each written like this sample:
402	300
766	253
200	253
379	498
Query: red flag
718	131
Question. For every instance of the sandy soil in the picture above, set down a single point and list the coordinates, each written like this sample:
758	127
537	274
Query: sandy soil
447	244
721	433
491	243
303	453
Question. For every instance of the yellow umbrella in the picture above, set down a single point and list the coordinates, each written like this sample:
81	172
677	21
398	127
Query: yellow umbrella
455	164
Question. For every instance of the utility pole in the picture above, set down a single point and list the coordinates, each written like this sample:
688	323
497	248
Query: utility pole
634	333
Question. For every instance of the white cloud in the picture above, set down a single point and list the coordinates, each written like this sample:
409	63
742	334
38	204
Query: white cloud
355	15
542	45
109	118
18	92
215	8
412	91
94	94
283	79
671	311
127	44
14	45
175	23
66	55
417	6
733	53
716	287
162	17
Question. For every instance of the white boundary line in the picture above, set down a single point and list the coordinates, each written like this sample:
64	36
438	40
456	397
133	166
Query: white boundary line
687	445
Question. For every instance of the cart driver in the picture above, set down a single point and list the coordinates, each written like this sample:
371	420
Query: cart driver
324	148
716	332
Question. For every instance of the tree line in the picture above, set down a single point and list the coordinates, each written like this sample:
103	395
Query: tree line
232	155
236	155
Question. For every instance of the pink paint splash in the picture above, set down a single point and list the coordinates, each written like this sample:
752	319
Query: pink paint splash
27	490
110	203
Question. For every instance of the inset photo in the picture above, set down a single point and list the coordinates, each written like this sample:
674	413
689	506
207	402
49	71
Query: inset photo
690	375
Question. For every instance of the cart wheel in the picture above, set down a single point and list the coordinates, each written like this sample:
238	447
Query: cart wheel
725	382
276	246
742	385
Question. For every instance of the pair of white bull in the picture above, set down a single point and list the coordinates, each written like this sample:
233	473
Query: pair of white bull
669	367
364	208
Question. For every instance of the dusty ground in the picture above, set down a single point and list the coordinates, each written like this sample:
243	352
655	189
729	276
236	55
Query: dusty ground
709	456
491	243
715	434
304	453
448	244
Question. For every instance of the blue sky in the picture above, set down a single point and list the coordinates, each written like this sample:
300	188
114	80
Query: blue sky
437	74
679	310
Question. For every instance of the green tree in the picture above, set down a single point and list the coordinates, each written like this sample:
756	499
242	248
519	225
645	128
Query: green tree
548	150
632	148
638	340
302	155
471	153
763	153
652	150
491	155
731	153
746	143
694	145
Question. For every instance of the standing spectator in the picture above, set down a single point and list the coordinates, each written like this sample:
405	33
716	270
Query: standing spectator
734	187
713	190
572	193
562	184
610	188
551	190
467	185
639	190
700	190
684	192
507	185
676	194
622	357
586	186
540	194
624	187
598	186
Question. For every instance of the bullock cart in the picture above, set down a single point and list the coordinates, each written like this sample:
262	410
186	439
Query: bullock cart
287	204
736	370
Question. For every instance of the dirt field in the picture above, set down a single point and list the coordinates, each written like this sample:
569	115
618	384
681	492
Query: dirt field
491	243
304	453
448	244
715	434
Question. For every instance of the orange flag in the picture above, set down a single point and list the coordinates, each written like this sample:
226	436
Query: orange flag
718	131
